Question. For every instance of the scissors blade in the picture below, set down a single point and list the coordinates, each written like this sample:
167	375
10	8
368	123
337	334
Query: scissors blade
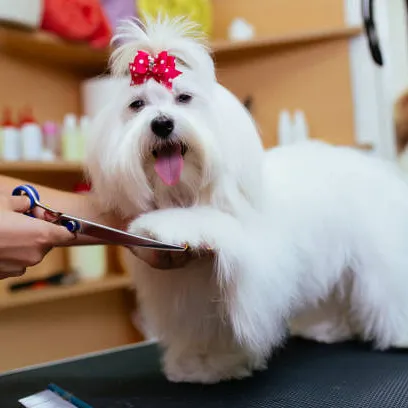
115	236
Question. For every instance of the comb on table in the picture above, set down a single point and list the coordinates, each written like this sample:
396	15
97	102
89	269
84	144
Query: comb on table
53	397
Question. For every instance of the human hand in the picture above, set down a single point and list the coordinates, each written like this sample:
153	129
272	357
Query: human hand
159	259
193	226
24	241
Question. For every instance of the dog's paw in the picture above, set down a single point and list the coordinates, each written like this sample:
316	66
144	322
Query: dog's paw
196	228
259	364
170	226
326	331
208	368
398	340
401	343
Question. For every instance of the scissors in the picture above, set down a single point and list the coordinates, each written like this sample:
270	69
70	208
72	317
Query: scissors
79	225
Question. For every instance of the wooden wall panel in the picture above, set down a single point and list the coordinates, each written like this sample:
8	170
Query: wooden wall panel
313	78
65	181
65	328
50	92
55	261
270	17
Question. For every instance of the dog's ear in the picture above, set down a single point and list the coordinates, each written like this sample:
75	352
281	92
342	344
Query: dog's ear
129	38
178	36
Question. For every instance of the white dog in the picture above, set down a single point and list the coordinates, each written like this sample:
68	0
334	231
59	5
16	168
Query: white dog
292	228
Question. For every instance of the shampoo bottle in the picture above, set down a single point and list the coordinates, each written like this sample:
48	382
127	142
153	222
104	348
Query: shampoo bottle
84	126
285	132
69	138
51	141
88	261
31	137
300	126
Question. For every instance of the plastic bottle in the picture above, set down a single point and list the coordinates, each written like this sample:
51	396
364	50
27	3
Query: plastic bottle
300	126
31	137
285	134
11	138
84	126
51	141
88	261
69	138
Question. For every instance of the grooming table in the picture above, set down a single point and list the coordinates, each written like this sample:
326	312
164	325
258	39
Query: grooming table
302	374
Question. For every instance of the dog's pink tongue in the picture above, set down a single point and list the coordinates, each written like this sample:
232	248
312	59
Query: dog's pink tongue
169	164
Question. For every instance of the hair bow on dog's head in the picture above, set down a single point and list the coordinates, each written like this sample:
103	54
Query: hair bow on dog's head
162	69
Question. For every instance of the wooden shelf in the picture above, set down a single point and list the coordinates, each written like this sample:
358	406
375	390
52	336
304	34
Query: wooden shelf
33	296
45	47
39	166
227	49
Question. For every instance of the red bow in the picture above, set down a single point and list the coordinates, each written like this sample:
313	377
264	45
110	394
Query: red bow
162	69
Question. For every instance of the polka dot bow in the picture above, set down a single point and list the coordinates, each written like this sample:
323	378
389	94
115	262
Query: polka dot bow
162	69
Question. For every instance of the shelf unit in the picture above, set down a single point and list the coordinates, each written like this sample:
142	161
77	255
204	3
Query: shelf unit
49	48
40	166
299	59
224	50
91	61
34	296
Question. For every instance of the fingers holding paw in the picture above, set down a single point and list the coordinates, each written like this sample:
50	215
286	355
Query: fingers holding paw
160	259
169	228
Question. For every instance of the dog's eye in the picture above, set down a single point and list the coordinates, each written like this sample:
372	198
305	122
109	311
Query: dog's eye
137	104
184	98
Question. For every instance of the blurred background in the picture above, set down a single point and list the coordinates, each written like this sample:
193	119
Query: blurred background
334	70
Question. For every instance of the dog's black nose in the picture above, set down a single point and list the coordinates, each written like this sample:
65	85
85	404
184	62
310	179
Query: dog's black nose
162	126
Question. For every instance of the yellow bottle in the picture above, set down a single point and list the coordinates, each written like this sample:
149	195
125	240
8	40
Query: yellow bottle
69	138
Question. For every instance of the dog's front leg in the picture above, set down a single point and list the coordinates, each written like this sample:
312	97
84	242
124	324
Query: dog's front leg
251	315
199	227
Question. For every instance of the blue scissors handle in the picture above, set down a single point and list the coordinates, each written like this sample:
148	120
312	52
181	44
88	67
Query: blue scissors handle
34	197
30	192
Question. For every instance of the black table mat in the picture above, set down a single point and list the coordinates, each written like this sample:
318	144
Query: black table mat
303	374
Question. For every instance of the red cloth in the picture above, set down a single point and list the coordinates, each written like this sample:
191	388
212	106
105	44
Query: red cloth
80	20
82	187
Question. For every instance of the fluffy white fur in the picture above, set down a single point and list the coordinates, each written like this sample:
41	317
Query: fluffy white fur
308	232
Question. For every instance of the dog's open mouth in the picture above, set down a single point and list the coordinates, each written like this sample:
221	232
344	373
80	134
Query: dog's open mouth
169	162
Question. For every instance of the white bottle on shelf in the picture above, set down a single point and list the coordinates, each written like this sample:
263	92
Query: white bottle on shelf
69	138
11	146
88	262
285	128
31	138
84	127
300	126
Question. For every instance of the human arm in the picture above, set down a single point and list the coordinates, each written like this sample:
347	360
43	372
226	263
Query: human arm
24	241
86	206
80	205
